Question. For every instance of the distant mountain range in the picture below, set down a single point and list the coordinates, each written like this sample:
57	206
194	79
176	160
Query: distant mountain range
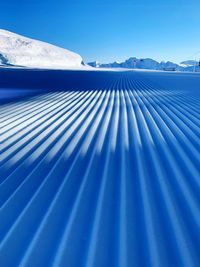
148	63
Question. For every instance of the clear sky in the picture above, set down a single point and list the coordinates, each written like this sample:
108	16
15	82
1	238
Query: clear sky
109	30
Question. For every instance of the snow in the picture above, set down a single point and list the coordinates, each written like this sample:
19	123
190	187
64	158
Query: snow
189	63
94	64
94	149
135	63
148	64
18	50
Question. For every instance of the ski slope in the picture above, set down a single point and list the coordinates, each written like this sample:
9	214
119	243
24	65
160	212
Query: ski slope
99	169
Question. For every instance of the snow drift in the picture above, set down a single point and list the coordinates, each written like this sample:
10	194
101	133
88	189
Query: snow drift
18	50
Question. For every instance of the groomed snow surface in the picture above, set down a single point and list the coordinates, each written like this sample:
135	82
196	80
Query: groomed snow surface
99	169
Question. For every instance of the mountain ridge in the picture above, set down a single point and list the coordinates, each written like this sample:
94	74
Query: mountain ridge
148	63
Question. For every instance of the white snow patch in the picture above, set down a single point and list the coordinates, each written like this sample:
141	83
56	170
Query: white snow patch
18	50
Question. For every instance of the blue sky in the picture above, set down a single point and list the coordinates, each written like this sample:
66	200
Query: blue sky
109	30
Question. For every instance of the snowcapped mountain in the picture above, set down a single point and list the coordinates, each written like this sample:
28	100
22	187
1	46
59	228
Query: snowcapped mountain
144	63
189	63
18	50
169	65
94	64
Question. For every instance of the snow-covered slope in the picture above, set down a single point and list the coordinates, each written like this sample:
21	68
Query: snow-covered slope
18	50
102	171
